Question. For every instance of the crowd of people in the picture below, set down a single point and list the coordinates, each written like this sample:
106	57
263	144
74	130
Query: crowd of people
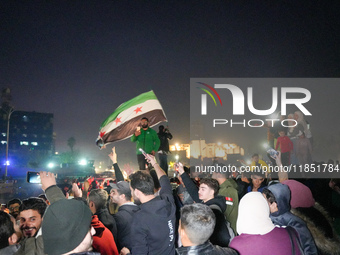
149	213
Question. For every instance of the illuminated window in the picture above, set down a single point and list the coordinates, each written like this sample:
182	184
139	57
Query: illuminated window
3	142
24	135
3	134
23	143
34	143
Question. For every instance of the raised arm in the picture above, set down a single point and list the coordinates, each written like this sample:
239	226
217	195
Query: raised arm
118	172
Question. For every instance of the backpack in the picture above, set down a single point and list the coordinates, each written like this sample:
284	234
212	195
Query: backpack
227	230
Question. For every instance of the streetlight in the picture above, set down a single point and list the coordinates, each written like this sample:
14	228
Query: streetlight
11	110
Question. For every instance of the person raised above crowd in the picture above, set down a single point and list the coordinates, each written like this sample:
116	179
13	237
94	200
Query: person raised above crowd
286	147
164	136
147	139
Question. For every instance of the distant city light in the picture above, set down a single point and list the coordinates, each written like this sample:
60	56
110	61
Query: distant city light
50	165
7	163
83	162
56	153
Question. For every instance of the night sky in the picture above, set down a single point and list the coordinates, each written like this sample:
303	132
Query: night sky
81	59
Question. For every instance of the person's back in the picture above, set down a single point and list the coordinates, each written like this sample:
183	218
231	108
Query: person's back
155	223
124	218
97	203
257	233
228	189
153	226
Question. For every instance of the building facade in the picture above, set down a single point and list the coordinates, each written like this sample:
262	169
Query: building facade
30	136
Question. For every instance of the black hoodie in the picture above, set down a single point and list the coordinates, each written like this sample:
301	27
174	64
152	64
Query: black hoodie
153	226
221	235
123	219
218	205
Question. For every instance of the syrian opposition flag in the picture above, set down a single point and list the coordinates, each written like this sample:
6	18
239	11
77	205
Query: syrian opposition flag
122	123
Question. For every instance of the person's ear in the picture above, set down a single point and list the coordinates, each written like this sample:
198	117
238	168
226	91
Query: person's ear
181	231
273	207
13	239
136	192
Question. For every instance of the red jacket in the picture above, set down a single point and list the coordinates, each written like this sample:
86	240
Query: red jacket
103	241
285	144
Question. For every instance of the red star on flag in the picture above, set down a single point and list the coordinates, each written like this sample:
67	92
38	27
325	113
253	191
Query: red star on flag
101	134
138	109
117	120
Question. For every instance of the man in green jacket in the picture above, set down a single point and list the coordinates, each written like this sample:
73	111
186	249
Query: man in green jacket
146	139
228	189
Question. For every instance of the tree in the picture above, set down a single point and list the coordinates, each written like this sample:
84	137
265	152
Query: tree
71	142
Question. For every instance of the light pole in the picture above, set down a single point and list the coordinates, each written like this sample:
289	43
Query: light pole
11	110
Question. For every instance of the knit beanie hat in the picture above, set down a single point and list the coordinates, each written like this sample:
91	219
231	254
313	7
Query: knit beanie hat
65	225
301	195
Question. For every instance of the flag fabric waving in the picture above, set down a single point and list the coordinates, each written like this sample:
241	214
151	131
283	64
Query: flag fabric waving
122	123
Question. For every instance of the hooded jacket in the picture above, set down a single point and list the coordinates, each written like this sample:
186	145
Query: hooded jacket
103	241
221	235
283	217
153	226
106	218
123	219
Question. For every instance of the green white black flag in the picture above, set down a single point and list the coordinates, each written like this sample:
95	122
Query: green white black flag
122	123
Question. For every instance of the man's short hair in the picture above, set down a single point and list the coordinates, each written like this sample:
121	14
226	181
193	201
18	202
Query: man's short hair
220	171
269	195
6	229
33	203
255	155
99	197
145	118
143	182
198	222
14	201
211	183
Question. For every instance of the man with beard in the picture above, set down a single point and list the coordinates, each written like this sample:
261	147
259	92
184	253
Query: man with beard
13	207
146	139
153	225
31	216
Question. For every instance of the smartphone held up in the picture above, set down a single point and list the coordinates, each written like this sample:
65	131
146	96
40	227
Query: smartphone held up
34	177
